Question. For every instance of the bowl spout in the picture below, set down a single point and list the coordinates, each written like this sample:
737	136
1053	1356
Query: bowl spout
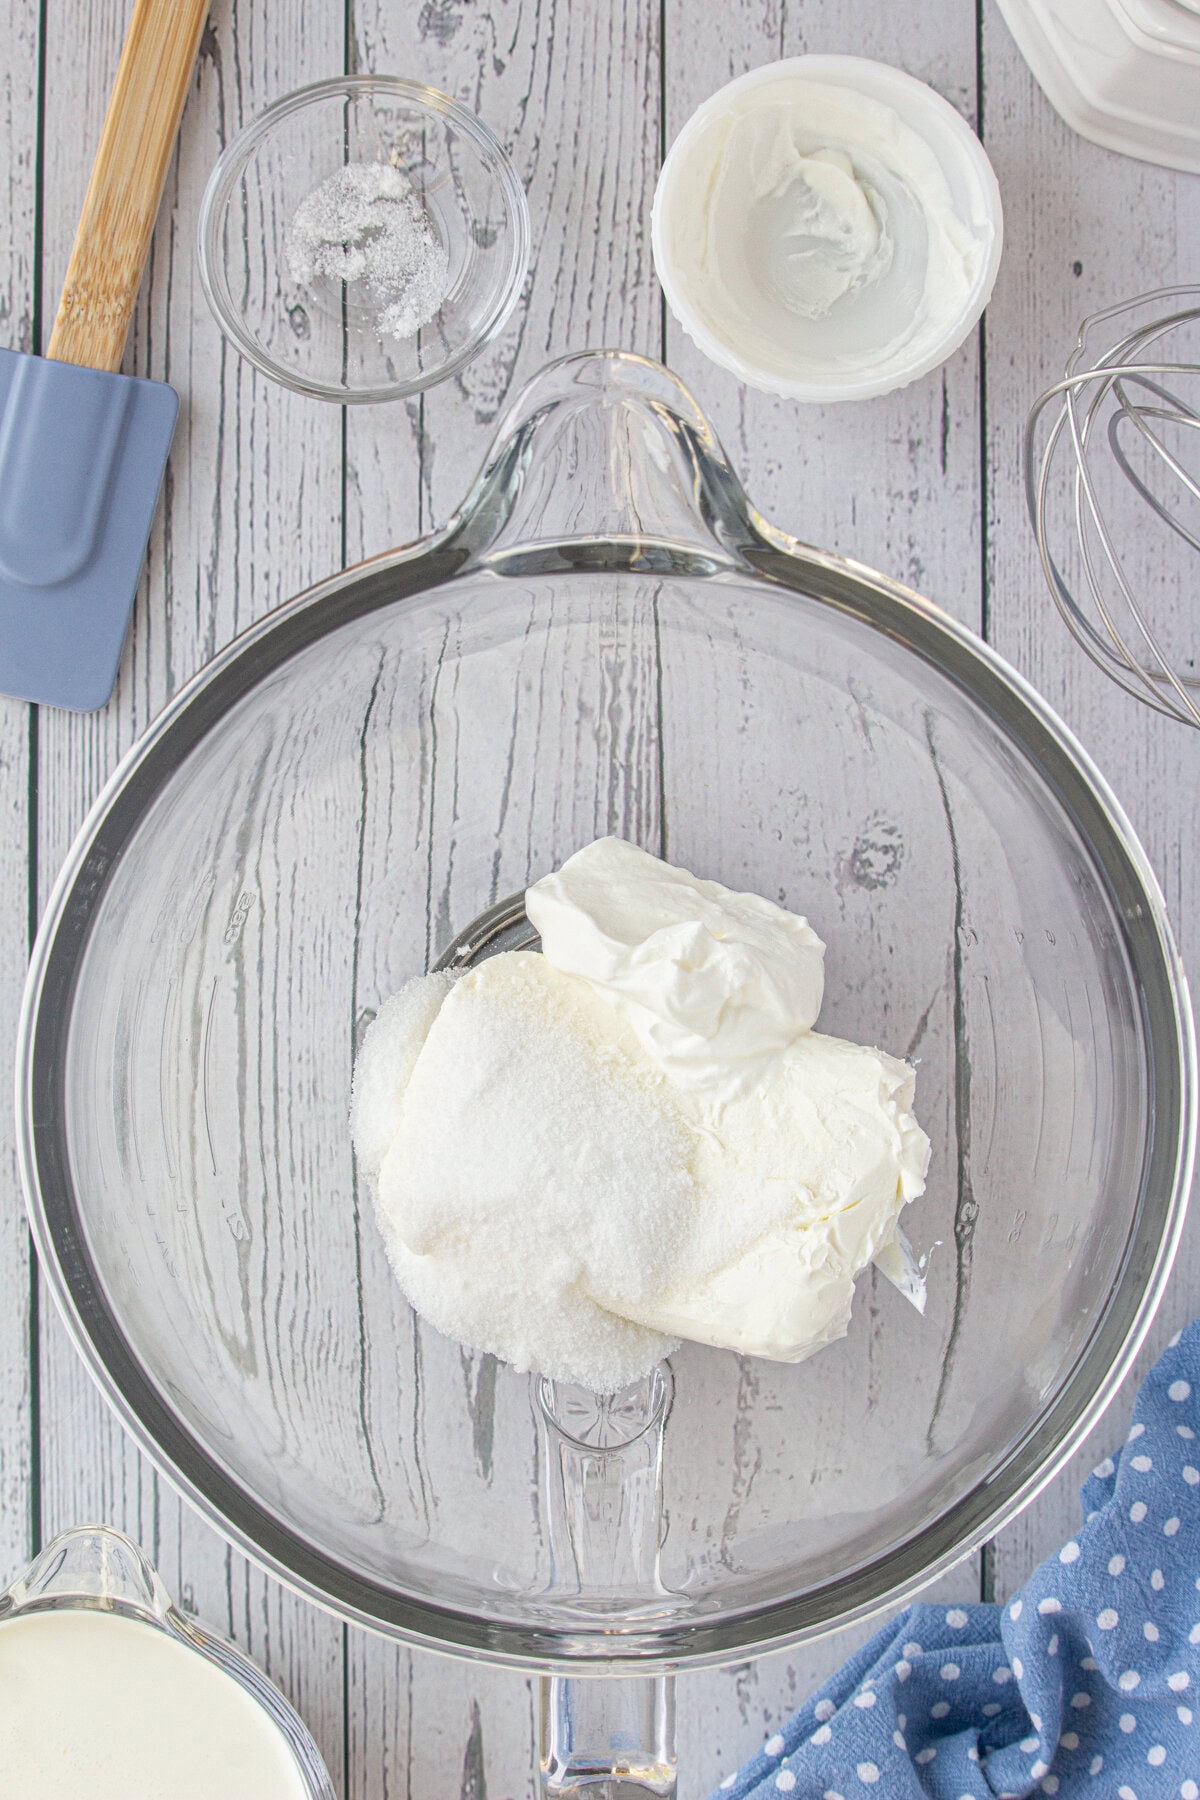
90	1565
608	446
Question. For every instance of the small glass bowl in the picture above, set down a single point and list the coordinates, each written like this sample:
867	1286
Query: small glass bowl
321	337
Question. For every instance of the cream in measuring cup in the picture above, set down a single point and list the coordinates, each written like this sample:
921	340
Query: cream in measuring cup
104	1695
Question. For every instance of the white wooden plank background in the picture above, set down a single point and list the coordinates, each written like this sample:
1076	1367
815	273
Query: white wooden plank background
18	1324
265	493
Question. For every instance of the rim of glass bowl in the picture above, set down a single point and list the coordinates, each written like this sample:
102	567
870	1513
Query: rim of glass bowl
228	167
760	554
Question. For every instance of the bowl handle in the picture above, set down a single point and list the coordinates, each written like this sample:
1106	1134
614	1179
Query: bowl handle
606	1737
607	445
607	1740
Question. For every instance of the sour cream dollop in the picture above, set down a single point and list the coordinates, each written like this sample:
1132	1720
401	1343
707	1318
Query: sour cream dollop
715	984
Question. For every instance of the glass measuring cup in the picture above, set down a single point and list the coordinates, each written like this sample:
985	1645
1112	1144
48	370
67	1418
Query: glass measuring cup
95	1569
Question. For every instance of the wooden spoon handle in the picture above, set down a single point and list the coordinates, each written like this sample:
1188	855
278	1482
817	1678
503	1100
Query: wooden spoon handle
121	203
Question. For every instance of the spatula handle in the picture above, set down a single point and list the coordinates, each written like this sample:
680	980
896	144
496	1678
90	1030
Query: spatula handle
121	203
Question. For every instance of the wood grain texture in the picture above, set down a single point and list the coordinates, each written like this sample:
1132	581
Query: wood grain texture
571	91
1085	228
424	1727
534	75
253	509
244	521
18	207
589	173
137	140
895	481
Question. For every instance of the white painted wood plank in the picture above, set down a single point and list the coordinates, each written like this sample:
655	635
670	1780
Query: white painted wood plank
786	838
425	1727
894	481
1085	228
18	194
16	1265
571	91
250	513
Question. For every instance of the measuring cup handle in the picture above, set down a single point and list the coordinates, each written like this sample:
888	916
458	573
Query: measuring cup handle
607	1739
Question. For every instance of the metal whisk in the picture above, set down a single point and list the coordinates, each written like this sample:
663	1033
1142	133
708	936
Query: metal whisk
1124	406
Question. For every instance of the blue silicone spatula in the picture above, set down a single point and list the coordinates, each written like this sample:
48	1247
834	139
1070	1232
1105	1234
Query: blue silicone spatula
82	448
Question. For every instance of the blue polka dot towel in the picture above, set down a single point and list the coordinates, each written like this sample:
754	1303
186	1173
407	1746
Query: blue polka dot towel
1083	1685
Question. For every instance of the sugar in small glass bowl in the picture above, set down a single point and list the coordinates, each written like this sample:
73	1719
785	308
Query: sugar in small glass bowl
363	239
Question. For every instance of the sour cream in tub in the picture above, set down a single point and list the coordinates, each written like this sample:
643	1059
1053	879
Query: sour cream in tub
827	228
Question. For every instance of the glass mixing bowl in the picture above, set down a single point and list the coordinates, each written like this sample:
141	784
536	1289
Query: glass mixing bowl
606	638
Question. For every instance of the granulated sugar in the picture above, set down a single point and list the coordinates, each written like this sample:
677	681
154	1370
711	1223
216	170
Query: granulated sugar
567	1176
366	227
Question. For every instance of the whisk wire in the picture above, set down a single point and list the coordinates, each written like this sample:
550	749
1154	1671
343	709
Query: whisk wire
1103	398
1178	414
